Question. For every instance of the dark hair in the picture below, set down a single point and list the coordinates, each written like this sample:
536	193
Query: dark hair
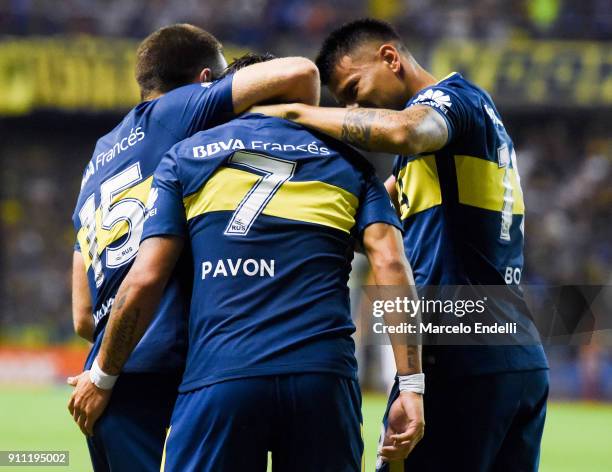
345	39
246	60
173	56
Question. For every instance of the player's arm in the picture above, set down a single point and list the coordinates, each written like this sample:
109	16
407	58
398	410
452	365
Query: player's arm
393	275
137	300
390	269
81	299
416	129
132	311
287	79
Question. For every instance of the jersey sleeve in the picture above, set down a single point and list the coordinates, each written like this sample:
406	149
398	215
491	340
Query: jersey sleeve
450	103
165	211
375	206
197	107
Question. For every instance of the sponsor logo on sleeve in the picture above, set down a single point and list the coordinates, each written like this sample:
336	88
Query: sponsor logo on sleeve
434	98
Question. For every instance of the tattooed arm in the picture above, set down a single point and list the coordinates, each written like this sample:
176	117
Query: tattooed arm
416	129
135	303
136	300
393	278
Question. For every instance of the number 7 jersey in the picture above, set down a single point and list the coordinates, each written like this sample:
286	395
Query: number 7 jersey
111	206
271	211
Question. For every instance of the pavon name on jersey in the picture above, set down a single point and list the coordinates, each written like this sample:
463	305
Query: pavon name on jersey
235	267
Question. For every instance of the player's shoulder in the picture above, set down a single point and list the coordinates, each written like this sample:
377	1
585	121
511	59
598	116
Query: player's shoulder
452	91
182	96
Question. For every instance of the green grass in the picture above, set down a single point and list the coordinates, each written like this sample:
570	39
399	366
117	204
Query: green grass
578	436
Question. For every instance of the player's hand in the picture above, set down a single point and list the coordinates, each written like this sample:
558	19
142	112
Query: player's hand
87	402
405	427
282	110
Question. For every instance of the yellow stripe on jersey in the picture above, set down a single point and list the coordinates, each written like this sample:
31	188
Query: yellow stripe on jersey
84	246
481	184
311	201
446	77
163	458
419	182
105	237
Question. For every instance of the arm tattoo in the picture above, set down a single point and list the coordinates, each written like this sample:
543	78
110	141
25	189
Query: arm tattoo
414	358
421	129
357	127
120	336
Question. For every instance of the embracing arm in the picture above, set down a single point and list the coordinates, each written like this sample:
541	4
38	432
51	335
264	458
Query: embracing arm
416	129
81	299
393	276
137	300
391	271
134	305
287	79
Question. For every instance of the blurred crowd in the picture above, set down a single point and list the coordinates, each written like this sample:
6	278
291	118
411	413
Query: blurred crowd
565	164
266	23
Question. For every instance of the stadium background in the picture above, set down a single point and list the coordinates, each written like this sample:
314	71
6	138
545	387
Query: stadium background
66	78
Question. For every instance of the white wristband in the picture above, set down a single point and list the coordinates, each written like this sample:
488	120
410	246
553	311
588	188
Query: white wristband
100	378
412	383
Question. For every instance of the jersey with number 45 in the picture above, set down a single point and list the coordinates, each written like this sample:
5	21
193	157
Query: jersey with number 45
462	213
271	211
111	207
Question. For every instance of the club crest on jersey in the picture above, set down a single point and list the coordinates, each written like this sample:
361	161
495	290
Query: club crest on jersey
434	98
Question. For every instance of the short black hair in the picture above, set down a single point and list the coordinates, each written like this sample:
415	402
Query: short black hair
173	55
246	60
345	39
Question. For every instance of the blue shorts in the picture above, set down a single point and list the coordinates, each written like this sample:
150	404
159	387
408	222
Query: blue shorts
309	422
129	436
484	423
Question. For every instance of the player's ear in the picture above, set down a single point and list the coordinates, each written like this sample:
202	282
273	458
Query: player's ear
205	75
390	56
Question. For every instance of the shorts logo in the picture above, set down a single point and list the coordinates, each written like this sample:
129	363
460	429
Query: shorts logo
434	98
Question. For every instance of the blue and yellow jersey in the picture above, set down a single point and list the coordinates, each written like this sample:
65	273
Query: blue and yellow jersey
111	207
271	211
462	210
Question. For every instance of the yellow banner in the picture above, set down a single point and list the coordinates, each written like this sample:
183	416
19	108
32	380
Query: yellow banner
79	73
72	74
524	73
97	74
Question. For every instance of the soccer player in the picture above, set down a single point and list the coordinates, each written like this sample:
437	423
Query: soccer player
176	68
271	212
456	187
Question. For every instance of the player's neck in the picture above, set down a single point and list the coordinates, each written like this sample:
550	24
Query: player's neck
152	96
417	79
